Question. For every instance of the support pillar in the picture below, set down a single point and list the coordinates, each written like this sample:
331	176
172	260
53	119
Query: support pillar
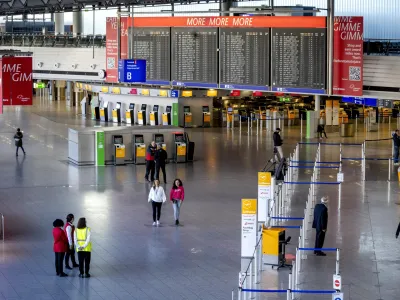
77	22
225	6
58	23
317	105
69	94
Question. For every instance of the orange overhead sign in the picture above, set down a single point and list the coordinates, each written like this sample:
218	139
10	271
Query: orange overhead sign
239	21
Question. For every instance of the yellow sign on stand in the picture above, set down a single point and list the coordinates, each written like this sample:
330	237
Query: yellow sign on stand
249	227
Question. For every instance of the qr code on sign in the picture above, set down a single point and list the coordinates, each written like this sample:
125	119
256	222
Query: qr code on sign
111	62
355	73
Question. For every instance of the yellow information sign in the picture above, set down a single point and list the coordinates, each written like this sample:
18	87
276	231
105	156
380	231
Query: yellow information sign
249	206
264	178
104	89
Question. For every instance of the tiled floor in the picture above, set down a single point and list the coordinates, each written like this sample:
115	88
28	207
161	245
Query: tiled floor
201	259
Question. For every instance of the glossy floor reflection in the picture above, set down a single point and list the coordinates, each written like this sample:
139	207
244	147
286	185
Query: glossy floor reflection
201	259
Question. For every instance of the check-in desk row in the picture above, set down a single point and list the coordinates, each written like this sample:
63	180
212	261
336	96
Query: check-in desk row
183	151
101	112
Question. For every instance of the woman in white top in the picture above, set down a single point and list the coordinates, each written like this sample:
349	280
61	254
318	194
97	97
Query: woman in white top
157	198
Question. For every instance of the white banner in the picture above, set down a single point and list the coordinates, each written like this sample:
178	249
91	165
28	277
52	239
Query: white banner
264	194
249	227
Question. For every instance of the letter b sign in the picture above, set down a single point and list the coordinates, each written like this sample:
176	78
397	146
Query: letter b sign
128	76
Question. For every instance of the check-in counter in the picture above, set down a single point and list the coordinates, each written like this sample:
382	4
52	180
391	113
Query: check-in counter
81	142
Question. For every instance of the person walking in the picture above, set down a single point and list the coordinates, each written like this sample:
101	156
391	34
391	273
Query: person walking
278	142
396	145
69	229
60	246
82	239
150	167
320	224
176	196
157	198
18	141
160	158
321	130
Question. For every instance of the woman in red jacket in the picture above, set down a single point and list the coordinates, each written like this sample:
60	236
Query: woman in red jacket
60	246
177	195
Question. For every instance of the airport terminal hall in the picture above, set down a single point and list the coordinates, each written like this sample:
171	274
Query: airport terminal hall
200	150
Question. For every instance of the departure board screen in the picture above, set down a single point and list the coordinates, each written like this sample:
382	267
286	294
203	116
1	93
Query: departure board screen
153	45
298	58
244	58
195	57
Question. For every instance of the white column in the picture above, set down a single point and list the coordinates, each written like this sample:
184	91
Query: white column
317	104
59	23
77	22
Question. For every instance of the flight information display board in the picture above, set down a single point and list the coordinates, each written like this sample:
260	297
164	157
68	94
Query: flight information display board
195	57
153	45
298	60
244	58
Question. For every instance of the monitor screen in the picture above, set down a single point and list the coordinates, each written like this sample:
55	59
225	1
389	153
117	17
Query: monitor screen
139	139
230	109
118	105
168	109
179	138
144	106
155	108
206	109
118	140
159	138
132	106
186	109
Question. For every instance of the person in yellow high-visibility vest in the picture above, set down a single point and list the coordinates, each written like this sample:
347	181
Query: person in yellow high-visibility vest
83	247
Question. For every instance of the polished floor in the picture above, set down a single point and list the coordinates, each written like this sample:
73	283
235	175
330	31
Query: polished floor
201	259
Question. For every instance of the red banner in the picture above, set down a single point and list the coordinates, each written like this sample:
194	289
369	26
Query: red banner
112	46
16	80
239	21
348	56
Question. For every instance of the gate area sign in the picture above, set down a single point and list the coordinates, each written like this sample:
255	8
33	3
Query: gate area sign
132	70
16	80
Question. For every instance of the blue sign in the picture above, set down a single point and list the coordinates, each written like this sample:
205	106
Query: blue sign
132	70
244	87
175	94
195	84
298	90
361	101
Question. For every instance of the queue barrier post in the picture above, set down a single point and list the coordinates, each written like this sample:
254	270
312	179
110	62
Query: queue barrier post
297	262
337	261
389	169
288	294
257	126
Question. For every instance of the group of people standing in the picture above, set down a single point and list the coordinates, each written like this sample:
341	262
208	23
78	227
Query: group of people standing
67	239
156	158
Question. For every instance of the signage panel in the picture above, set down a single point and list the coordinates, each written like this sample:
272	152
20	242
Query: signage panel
112	46
132	70
16	80
194	57
249	227
244	58
264	195
348	56
234	21
362	101
153	45
298	60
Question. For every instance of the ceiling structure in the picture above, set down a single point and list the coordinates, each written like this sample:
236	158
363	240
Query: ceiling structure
18	7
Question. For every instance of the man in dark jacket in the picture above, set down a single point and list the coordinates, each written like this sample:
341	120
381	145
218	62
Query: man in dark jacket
320	224
18	141
396	145
278	143
160	158
150	167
